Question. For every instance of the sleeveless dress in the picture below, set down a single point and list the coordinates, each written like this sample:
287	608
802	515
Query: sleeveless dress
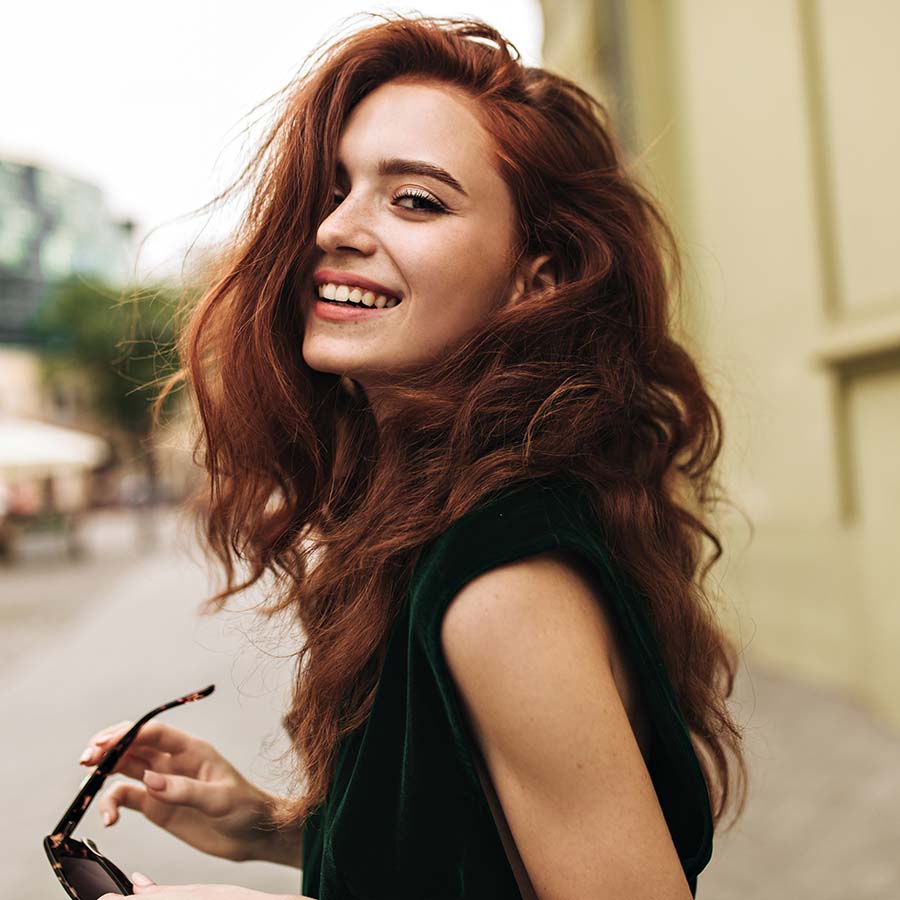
406	816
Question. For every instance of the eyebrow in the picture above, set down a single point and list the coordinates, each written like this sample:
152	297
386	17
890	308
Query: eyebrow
397	166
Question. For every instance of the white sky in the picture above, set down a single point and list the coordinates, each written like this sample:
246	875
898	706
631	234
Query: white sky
148	100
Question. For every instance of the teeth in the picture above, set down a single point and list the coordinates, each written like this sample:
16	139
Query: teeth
344	292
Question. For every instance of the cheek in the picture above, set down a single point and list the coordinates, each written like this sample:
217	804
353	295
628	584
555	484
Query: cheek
454	308
462	273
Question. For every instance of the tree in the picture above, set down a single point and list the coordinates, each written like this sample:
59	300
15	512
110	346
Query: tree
123	342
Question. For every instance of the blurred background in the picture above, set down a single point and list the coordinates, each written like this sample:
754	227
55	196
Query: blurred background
764	129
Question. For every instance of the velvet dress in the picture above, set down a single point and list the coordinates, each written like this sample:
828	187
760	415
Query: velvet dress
406	817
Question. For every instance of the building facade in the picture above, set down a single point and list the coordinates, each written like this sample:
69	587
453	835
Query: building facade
767	131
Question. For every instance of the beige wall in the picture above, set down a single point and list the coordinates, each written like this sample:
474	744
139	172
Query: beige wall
768	130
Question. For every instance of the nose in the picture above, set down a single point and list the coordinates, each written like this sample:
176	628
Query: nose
347	227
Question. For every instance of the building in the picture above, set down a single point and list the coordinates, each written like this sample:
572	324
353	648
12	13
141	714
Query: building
52	225
768	133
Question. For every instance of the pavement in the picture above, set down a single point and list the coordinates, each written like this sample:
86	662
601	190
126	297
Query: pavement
823	815
87	643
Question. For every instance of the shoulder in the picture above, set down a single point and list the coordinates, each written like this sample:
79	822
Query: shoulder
530	646
518	607
527	631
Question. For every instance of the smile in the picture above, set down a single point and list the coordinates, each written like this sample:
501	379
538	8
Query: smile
345	311
350	295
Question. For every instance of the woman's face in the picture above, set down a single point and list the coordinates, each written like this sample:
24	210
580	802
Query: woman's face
445	252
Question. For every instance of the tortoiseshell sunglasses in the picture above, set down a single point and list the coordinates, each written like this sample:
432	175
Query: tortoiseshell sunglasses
80	867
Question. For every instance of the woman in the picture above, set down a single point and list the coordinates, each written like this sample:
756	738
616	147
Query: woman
443	405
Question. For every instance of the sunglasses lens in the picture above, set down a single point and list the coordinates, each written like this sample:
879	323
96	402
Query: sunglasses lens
88	878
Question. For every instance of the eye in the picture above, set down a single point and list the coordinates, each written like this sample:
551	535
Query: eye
432	205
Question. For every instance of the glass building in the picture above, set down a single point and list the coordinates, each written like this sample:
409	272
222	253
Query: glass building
51	226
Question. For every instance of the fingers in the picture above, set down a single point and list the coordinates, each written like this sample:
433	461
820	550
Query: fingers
210	799
134	766
153	738
177	790
133	762
160	735
131	796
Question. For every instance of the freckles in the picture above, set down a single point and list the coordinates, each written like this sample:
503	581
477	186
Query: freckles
458	257
464	263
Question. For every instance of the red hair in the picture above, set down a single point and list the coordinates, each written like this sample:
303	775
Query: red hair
584	378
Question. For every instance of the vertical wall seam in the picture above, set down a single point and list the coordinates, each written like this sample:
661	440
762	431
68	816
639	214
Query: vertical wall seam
820	157
828	249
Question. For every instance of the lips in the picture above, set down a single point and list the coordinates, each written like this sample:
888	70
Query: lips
340	312
335	276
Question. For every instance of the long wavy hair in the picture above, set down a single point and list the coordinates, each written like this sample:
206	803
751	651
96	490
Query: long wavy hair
584	378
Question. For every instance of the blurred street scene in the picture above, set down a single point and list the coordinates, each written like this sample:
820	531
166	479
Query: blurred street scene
89	642
82	355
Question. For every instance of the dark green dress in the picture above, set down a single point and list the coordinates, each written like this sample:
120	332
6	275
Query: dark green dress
406	816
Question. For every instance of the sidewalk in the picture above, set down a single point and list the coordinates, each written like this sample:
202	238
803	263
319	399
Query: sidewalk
823	815
107	638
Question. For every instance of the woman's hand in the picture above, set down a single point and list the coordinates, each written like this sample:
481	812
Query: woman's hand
153	891
185	786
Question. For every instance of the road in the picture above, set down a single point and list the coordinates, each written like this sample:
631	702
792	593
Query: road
86	644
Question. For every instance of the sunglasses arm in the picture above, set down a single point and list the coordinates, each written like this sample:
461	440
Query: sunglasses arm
92	783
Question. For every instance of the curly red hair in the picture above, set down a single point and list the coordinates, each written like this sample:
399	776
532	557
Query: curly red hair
584	377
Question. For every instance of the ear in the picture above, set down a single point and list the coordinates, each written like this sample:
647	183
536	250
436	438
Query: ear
533	274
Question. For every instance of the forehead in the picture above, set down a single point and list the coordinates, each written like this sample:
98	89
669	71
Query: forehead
424	121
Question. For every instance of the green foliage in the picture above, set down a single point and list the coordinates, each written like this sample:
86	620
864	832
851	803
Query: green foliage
123	341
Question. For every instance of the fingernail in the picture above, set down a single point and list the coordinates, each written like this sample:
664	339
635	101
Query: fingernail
154	780
107	818
86	755
143	880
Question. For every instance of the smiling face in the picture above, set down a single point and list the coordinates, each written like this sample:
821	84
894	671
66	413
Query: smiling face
445	251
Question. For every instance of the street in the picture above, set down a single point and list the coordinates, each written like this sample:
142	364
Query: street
89	643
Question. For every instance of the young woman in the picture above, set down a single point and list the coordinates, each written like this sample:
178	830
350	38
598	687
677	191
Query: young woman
443	405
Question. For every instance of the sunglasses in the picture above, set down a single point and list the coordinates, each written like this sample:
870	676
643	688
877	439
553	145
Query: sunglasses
81	868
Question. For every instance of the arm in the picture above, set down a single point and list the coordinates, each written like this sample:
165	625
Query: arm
529	645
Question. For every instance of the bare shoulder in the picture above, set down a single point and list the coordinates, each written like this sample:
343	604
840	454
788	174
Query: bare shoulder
556	586
531	647
546	596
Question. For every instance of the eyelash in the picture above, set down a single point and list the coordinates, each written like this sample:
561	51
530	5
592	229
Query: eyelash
433	206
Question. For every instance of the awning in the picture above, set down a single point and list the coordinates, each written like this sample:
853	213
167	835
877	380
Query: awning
29	448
